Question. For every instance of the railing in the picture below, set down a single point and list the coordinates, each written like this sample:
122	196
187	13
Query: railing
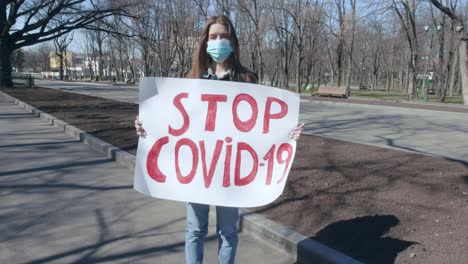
24	79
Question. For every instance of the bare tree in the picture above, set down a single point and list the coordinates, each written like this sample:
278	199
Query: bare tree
461	38
203	6
44	56
406	11
255	10
283	28
314	48
183	18
37	16
351	31
61	44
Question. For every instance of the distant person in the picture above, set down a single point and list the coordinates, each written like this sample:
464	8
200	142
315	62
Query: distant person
217	58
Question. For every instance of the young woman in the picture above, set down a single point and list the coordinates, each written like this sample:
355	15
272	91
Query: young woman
217	58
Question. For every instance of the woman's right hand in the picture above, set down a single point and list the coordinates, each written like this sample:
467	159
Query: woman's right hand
139	128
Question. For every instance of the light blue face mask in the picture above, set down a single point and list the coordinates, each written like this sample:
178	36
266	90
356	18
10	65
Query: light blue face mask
219	49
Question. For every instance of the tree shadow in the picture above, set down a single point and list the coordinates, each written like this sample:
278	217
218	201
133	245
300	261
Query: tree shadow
49	187
79	88
16	115
363	238
56	167
46	145
92	252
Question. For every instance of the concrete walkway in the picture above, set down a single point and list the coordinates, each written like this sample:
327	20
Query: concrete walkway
123	93
436	133
61	202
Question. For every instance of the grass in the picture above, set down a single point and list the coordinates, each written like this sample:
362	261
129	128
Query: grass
392	95
378	94
402	96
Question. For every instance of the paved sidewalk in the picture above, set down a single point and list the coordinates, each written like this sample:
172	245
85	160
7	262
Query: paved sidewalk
436	133
123	93
61	202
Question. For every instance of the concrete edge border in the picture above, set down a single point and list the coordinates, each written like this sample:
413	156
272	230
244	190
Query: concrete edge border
372	106
124	158
300	247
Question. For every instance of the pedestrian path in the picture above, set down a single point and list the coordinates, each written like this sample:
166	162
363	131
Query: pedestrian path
123	93
436	133
61	202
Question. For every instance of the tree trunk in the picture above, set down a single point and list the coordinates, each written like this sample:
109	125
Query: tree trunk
412	92
5	65
61	65
331	81
449	64
407	78
387	82
359	79
298	70
369	81
348	74
400	76
351	48
454	72
122	65
101	58
286	68
441	69
392	82
463	55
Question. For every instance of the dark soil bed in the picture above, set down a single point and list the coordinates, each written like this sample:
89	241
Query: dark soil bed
375	205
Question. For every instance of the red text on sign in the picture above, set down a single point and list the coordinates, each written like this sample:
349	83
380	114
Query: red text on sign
241	125
209	168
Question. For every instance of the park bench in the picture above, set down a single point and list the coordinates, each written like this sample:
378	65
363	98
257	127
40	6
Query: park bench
331	91
23	79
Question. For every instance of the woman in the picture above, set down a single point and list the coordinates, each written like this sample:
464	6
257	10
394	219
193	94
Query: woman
217	58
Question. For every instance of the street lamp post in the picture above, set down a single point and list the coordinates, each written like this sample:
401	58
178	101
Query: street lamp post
430	29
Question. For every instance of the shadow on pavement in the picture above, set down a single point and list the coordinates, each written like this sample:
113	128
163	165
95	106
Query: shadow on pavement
96	252
46	145
56	167
363	239
16	115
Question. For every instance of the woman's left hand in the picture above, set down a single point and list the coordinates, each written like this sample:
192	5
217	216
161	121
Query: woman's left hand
297	132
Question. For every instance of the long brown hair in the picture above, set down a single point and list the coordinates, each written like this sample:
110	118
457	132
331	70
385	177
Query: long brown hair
201	59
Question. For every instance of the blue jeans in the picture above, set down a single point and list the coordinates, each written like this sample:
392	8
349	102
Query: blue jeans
197	228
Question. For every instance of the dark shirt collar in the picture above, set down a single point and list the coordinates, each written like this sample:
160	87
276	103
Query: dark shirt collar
212	76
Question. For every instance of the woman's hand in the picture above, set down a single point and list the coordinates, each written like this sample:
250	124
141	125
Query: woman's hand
139	128
296	132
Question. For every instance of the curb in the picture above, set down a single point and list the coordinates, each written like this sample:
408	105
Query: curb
301	248
375	106
454	105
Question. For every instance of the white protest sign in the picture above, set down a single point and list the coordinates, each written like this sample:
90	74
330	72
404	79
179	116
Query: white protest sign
215	142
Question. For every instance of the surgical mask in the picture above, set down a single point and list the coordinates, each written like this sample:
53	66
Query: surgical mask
219	49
